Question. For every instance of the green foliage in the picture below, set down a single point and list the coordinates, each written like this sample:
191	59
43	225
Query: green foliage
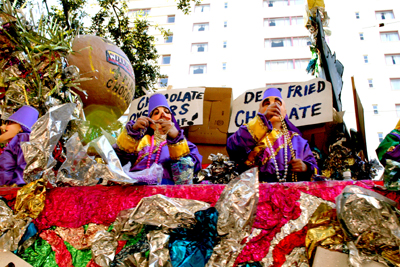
185	5
70	15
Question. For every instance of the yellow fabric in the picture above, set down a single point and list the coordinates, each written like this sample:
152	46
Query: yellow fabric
398	125
127	142
256	128
315	3
178	150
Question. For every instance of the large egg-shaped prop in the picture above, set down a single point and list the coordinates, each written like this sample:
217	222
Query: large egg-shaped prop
112	87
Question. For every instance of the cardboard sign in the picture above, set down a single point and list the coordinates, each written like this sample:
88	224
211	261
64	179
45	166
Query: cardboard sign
8	258
306	103
186	105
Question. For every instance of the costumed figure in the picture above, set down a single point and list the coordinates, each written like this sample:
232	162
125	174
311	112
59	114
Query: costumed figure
273	144
389	148
158	139
17	129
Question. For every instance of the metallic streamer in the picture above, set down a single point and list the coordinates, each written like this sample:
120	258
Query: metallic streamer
236	206
104	245
308	205
44	136
159	253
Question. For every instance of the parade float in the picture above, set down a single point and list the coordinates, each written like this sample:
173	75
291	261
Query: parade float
79	207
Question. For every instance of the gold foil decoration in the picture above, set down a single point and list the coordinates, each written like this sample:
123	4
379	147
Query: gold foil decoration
77	237
103	248
323	230
30	199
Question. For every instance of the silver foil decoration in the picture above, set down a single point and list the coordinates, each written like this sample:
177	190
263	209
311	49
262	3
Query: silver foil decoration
159	252
297	257
308	205
162	211
11	228
367	215
81	170
104	245
46	132
237	207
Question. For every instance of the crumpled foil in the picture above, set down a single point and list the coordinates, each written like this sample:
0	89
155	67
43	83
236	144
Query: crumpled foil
44	136
159	253
78	237
308	205
30	199
237	207
220	171
104	245
370	220
11	228
297	258
159	210
81	170
323	230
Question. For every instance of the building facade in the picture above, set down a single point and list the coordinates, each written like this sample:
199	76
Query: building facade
260	43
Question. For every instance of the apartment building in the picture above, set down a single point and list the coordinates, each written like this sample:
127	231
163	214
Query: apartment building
252	44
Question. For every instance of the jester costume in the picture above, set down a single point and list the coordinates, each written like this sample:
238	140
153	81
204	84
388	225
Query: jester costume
249	147
12	161
389	148
175	155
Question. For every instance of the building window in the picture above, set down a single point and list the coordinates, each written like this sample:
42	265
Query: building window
365	58
297	2
382	15
169	39
275	3
224	66
140	12
301	63
163	82
198	69
392	59
200	27
201	47
389	36
225	44
225	5
357	15
370	83
171	19
279	65
395	84
361	36
380	136
202	8
283	42
166	59
285	21
375	108
225	24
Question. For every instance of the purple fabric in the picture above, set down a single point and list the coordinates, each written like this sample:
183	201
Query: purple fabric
12	161
159	100
26	116
241	143
164	159
272	92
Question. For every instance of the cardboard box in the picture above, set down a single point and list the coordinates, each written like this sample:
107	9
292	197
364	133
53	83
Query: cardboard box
326	258
206	150
216	115
7	257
